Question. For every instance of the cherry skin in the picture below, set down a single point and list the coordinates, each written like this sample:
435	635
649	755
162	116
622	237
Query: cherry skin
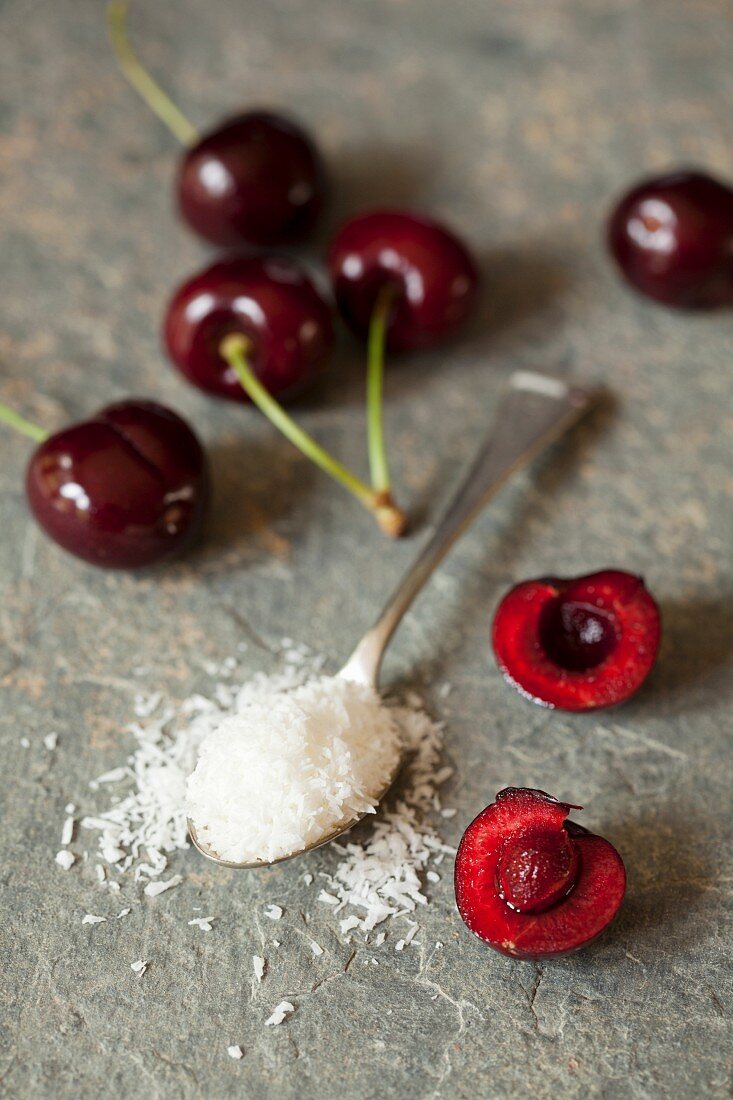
126	488
256	179
672	238
273	303
434	276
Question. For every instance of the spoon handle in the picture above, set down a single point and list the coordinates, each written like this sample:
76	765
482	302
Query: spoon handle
535	411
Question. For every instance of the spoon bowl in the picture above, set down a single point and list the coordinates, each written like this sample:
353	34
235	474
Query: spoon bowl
333	834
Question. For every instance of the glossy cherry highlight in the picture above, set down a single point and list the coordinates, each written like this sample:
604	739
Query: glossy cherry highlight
126	488
579	643
672	238
532	884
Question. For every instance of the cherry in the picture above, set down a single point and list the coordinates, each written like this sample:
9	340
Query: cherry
578	644
255	179
254	329
672	238
270	301
126	488
532	884
430	272
404	282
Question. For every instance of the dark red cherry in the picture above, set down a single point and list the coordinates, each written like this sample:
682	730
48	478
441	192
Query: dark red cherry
272	302
433	274
126	488
578	644
532	884
256	179
672	238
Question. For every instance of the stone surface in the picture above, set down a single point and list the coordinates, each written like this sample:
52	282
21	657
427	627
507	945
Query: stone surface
519	123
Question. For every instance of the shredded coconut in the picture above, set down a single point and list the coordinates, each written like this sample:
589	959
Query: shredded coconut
316	949
51	740
235	1052
377	874
204	923
139	967
65	859
154	888
89	918
258	963
278	1014
67	831
274	912
285	772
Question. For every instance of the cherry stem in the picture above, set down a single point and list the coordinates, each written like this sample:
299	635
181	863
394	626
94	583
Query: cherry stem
235	348
25	427
378	464
141	80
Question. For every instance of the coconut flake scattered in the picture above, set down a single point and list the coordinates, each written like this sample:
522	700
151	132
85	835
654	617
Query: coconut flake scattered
278	1014
50	741
348	923
139	967
204	923
316	949
235	1052
123	913
25	743
274	912
153	889
258	964
65	859
67	831
89	918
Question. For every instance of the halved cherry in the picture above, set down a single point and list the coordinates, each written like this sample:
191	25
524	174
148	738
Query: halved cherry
532	884
579	643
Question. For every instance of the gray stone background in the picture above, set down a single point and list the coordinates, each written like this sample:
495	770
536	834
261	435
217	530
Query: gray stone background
519	122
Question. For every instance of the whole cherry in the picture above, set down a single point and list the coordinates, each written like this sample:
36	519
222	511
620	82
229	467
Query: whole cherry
256	329
672	238
403	281
532	884
431	276
269	300
257	178
126	488
580	643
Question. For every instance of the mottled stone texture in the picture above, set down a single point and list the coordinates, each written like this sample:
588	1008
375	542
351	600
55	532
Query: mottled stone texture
518	122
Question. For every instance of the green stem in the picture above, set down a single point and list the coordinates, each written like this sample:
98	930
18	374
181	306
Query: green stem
141	80
375	387
25	427
235	348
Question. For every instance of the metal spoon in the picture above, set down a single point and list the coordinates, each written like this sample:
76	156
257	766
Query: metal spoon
535	411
